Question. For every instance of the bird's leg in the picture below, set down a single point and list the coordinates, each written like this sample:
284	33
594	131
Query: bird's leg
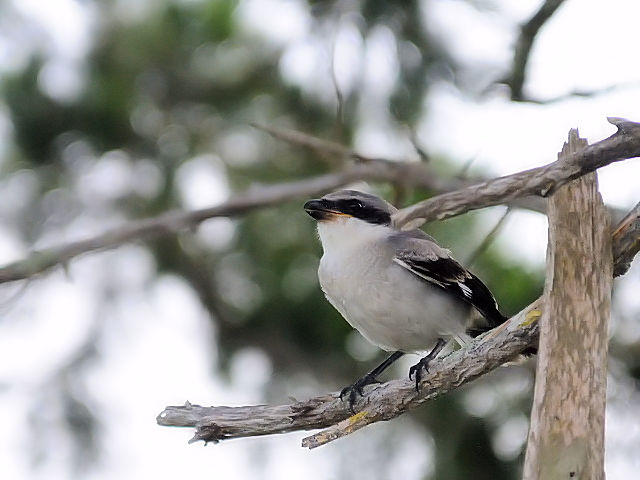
423	364
356	387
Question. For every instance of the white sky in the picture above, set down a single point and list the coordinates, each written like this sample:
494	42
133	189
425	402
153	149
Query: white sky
588	44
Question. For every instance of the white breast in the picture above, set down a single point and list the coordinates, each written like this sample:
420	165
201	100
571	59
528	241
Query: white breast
388	305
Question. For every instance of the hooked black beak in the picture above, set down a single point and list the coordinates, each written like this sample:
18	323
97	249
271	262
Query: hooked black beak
316	209
320	210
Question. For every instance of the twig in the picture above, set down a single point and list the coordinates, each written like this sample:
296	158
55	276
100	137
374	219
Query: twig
528	32
336	89
626	241
309	141
488	239
581	93
541	181
464	170
381	402
422	153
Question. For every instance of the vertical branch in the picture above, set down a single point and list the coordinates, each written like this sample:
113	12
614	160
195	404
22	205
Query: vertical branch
566	437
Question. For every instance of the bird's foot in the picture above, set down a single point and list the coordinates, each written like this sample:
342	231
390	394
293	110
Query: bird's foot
422	367
419	369
355	389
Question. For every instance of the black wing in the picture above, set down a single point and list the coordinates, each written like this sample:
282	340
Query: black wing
453	278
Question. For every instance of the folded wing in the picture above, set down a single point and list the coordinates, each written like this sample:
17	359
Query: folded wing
419	254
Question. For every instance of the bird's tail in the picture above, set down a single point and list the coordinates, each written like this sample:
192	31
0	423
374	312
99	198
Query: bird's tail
486	321
483	321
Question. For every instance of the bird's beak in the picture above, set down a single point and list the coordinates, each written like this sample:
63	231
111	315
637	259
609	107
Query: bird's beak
321	210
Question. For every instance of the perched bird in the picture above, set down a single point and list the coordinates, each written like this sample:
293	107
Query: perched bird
399	289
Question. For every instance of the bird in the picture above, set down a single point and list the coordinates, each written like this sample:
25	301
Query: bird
401	290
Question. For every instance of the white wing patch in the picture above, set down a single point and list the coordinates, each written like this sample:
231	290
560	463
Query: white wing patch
404	264
466	291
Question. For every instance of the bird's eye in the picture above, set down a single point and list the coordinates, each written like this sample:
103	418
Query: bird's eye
355	204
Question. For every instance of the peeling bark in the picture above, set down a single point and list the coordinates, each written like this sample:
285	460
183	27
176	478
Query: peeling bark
566	437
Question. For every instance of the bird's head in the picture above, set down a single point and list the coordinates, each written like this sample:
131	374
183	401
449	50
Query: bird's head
351	204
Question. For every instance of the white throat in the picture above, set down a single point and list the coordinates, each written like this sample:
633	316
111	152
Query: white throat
344	234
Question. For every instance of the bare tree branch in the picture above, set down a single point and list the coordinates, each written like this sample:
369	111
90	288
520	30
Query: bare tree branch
419	176
258	197
301	139
626	241
528	32
541	181
423	155
566	437
336	89
578	93
624	144
398	173
488	239
380	402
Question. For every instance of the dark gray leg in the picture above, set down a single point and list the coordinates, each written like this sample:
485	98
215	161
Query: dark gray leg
371	377
423	364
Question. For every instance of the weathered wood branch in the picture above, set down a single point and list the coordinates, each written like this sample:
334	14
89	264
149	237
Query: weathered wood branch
626	241
566	437
418	175
259	197
384	401
381	402
399	173
493	192
424	177
541	181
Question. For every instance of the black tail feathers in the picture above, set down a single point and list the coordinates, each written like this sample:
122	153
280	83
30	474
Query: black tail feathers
492	320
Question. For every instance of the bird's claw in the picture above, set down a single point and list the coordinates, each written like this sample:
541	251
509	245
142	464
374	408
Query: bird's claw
356	389
418	370
423	365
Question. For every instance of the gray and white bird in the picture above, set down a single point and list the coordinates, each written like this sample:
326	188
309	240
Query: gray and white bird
399	289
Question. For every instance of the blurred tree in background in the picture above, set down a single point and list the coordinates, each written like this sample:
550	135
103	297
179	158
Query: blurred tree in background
157	115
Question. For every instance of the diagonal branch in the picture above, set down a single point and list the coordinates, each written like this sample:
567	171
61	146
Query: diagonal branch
488	239
382	402
398	173
418	175
528	32
514	190
581	93
541	181
309	141
258	197
388	400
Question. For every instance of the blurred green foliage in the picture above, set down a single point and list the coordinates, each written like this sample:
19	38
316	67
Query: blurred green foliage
186	80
